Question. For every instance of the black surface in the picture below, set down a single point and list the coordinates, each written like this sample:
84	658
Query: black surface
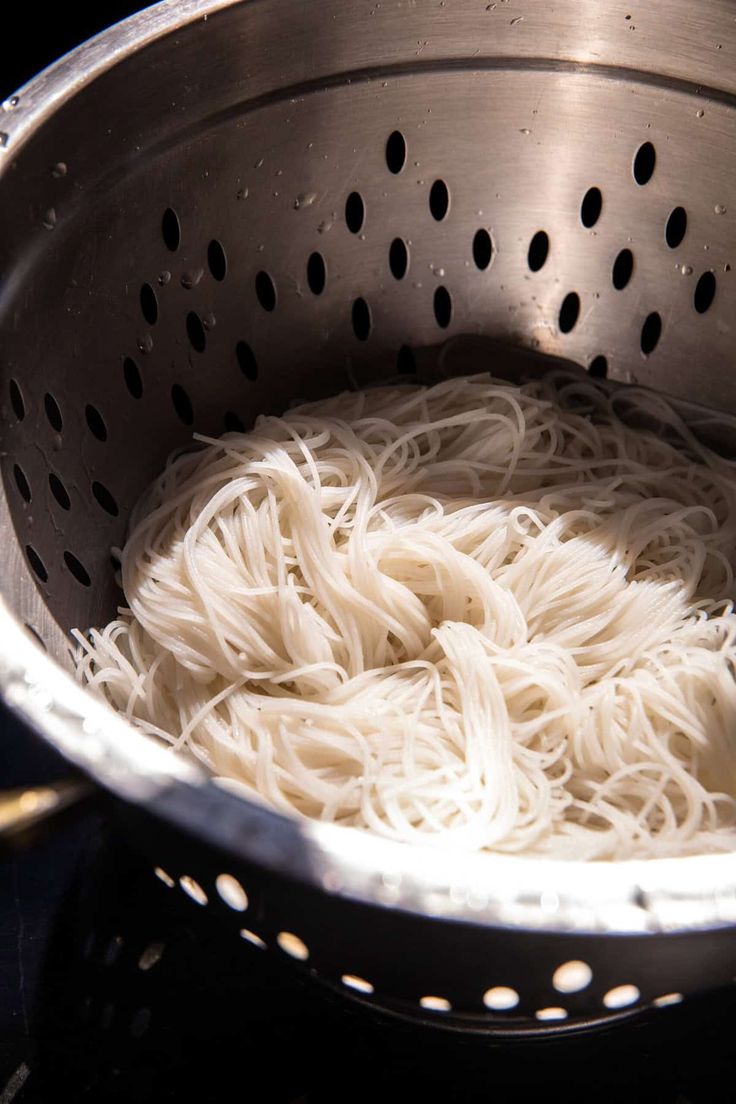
80	1020
214	1019
42	33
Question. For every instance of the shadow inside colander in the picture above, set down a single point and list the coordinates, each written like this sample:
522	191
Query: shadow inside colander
77	588
614	537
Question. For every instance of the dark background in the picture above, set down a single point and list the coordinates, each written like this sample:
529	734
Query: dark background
41	33
30	889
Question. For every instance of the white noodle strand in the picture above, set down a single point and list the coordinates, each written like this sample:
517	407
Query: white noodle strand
468	615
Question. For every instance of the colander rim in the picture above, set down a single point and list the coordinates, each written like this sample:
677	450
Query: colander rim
693	892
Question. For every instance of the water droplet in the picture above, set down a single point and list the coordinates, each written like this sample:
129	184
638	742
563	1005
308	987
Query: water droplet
719	209
490	7
699	113
209	321
324	227
191	278
9	104
242	193
524	130
686	270
279	172
384	84
259	163
304	199
706	248
49	219
362	237
519	19
726	267
145	343
164	278
437	271
59	169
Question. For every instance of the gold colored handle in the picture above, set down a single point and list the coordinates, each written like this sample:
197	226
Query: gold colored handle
24	809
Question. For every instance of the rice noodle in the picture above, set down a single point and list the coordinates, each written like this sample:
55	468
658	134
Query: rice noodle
465	615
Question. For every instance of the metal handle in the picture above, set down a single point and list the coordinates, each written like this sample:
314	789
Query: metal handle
25	811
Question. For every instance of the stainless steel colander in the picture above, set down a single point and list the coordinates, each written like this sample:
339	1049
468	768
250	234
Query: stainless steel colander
216	208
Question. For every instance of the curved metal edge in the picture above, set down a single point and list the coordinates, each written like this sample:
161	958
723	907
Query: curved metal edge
82	727
27	109
655	895
480	1026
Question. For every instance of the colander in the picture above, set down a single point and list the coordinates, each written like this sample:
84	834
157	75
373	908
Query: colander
217	208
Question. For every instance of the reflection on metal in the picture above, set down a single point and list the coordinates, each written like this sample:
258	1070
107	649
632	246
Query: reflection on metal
23	809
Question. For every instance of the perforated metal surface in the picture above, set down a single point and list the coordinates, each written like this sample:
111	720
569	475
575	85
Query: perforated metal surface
222	208
140	986
461	974
272	250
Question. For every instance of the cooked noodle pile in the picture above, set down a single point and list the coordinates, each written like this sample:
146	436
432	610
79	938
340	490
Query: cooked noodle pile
465	615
